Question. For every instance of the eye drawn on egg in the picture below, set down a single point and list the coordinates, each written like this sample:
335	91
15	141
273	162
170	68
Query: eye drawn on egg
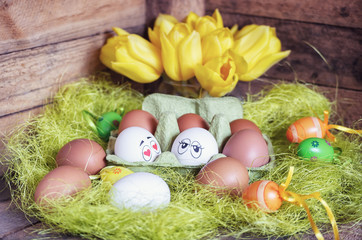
194	146
147	149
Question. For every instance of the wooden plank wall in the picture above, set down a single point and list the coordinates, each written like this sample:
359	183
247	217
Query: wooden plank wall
45	44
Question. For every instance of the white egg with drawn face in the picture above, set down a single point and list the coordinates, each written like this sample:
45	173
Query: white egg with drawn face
136	144
194	146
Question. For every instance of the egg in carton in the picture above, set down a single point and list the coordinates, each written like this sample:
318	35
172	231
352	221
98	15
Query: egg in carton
218	112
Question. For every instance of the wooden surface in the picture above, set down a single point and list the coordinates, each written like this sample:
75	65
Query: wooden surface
45	44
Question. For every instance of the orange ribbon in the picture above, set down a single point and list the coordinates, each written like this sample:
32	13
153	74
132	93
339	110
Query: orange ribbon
299	200
338	127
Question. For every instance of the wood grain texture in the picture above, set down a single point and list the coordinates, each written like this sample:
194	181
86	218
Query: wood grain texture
341	47
338	12
33	23
12	219
178	9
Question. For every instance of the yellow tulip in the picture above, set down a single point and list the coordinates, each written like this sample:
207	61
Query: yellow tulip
217	76
256	49
216	43
163	23
181	52
205	24
133	57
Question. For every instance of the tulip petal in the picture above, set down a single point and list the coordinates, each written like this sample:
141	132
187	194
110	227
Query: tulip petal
263	65
240	63
217	16
245	30
154	36
211	48
205	25
108	50
190	55
234	29
143	51
162	18
136	71
170	58
119	31
253	42
191	19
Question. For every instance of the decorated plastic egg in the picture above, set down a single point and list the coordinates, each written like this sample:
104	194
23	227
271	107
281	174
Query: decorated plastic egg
316	149
136	144
263	194
82	153
190	120
107	123
61	182
138	118
113	173
194	146
249	147
304	128
224	175
140	191
104	124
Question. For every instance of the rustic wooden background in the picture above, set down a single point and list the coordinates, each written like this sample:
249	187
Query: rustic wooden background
45	44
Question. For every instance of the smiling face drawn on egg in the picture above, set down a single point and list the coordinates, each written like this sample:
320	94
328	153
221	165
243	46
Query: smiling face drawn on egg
194	146
136	144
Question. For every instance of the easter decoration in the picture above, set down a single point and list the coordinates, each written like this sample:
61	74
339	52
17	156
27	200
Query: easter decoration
154	195
308	127
104	124
268	196
318	149
63	122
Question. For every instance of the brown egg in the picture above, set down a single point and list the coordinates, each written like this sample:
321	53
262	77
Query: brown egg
61	182
138	118
82	153
249	147
241	124
190	120
224	174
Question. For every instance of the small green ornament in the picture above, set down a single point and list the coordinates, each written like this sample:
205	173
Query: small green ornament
104	124
317	149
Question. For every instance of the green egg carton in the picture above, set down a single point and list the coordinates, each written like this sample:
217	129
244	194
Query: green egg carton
218	112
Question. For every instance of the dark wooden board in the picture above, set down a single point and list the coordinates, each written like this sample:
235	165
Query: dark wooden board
34	23
338	12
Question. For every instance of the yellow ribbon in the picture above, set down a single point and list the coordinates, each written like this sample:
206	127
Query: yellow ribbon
298	199
338	127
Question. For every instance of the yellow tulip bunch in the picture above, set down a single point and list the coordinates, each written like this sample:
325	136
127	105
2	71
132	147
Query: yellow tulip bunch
198	47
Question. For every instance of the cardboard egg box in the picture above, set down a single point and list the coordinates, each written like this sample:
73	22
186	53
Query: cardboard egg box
218	112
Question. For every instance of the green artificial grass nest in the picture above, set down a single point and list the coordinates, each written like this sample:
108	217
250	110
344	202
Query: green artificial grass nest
194	212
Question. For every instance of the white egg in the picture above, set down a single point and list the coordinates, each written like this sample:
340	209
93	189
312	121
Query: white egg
140	191
136	144
194	146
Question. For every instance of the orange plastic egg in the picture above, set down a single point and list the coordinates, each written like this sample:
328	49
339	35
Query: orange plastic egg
306	128
263	194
